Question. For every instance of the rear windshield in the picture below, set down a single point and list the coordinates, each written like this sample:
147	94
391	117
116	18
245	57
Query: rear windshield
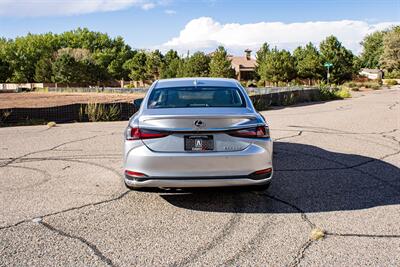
183	97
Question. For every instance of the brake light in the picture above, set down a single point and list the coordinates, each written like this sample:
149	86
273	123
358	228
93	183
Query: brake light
136	133
255	132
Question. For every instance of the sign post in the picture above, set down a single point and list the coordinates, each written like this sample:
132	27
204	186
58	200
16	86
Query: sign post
328	65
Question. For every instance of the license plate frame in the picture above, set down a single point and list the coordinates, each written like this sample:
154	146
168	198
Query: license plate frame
199	143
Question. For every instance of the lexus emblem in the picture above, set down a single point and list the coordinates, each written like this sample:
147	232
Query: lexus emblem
199	123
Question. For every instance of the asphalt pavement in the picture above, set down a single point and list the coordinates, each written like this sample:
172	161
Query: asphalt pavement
334	200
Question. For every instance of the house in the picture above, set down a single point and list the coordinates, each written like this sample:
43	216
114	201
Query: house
372	74
245	66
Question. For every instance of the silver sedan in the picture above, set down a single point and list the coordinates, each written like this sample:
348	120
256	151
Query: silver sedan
197	132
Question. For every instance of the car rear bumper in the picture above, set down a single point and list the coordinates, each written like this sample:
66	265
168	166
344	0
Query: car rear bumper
198	169
182	182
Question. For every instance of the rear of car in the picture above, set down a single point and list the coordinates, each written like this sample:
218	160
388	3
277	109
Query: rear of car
197	133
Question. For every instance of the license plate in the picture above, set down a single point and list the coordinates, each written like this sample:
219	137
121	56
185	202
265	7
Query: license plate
199	142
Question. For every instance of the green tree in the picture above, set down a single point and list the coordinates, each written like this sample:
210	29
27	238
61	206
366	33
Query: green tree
342	59
75	65
372	50
154	63
65	69
308	63
5	71
390	58
25	56
137	67
278	66
196	65
43	70
220	65
171	65
261	56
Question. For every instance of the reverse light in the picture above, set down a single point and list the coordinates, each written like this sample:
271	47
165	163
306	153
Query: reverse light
135	133
255	132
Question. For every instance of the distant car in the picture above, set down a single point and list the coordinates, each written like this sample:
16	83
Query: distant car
197	132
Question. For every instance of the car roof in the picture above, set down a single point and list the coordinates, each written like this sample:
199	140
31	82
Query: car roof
183	82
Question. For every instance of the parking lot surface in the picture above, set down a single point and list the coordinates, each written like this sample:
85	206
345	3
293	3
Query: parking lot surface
63	202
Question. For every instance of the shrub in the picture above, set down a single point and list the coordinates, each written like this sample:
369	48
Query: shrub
372	85
391	82
394	74
342	93
261	83
99	112
351	85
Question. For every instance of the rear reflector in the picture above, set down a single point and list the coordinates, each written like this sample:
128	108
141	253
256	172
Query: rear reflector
134	174
264	171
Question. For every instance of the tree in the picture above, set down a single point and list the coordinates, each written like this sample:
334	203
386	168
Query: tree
137	67
220	65
65	69
75	65
261	56
5	70
278	66
196	65
372	50
308	63
342	59
390	58
24	57
171	65
43	70
154	64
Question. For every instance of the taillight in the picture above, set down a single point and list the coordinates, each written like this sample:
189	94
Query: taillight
255	132
134	174
136	133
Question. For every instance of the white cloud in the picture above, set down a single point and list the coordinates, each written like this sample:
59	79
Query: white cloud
36	8
170	12
205	34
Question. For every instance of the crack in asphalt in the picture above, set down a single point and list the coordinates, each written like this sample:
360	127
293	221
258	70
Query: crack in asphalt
345	166
90	245
67	210
249	246
302	213
301	253
226	231
12	160
361	235
47	177
291	136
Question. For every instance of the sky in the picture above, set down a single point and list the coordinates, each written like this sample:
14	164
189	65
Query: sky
191	25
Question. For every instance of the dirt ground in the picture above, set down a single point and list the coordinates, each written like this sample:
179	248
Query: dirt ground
33	99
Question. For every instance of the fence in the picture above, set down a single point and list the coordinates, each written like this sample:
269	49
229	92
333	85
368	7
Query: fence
59	114
262	99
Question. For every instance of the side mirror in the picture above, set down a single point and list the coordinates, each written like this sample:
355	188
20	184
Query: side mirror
137	103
